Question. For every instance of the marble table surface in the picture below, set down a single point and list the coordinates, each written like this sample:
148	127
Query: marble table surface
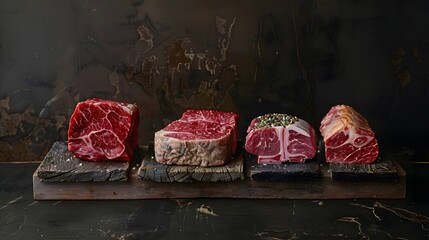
21	217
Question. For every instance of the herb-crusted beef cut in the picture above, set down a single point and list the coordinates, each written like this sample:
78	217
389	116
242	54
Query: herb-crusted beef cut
278	138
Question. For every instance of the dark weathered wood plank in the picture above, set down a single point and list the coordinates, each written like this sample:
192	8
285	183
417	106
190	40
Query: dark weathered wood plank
59	165
152	170
309	170
135	188
382	169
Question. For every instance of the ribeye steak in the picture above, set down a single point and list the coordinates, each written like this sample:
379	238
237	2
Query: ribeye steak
103	130
348	137
277	138
199	138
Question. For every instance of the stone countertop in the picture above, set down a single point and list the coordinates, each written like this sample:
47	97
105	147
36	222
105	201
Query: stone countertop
21	217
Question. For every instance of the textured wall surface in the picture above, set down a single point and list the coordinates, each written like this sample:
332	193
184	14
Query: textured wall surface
251	57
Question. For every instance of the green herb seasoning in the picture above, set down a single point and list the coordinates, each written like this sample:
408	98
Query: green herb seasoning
275	120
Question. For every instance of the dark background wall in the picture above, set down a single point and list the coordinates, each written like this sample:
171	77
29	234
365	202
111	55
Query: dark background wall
251	57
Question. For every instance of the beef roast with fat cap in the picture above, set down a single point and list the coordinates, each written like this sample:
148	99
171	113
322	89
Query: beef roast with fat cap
198	138
348	137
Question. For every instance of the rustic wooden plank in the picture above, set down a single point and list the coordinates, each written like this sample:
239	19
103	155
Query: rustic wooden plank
323	188
382	169
135	188
152	170
59	165
309	170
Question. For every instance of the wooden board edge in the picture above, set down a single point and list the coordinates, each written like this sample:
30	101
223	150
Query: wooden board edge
135	188
399	169
150	170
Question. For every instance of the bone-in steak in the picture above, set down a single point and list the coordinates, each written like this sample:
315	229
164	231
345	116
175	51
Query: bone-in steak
199	137
103	130
348	137
277	138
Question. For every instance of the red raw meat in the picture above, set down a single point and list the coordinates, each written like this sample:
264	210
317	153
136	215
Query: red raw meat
104	130
199	137
348	137
277	138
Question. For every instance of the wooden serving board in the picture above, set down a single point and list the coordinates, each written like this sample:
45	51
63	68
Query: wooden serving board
283	172
59	165
323	187
152	170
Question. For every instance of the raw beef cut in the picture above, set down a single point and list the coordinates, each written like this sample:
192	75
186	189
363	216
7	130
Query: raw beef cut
277	138
348	137
199	138
103	130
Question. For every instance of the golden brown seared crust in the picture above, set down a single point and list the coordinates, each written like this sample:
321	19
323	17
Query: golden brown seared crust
203	153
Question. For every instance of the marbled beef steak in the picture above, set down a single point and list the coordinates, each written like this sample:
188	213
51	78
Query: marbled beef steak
103	130
348	137
277	138
199	138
